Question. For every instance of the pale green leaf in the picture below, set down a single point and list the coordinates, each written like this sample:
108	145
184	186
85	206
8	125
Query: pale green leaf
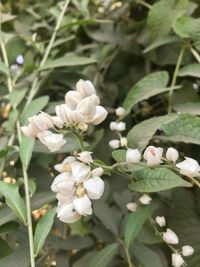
3	68
14	200
103	257
42	230
25	150
17	96
192	70
67	61
187	27
189	107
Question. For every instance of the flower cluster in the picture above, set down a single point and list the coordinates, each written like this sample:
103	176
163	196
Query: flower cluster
170	237
76	185
81	108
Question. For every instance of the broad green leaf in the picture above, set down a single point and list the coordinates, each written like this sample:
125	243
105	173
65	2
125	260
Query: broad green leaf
8	227
42	230
162	16
25	150
185	128
162	41
18	258
14	200
104	256
10	123
17	96
119	155
156	179
148	257
73	242
140	135
5	248
3	68
149	86
34	107
192	70
187	27
189	107
134	224
67	61
106	216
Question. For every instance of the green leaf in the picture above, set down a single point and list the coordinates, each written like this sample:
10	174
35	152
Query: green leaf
34	107
73	242
192	70
156	179
16	97
140	135
189	107
42	229
134	224
67	61
185	128
3	68
103	257
8	227
149	86
14	200
187	27
119	155
25	150
18	258
162	16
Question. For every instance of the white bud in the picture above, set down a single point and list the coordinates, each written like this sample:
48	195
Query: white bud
29	131
123	141
97	172
177	260
85	157
113	126
145	199
187	251
20	59
172	154
189	167
80	171
133	156
85	88
83	205
132	206
170	237
121	126
153	155
67	214
100	115
160	221
62	111
114	144
87	109
53	141
72	98
63	183
120	111
94	187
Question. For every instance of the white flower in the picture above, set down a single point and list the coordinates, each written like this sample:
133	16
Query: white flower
187	251
29	131
172	154
80	171
120	111
97	172
145	199
153	155
67	214
133	156
114	144
177	260
62	111
72	98
53	141
85	88
83	205
160	221
123	141
100	115
189	167
170	237
57	122
121	126
132	206
63	183
94	187
85	157
20	59
87	109
65	166
113	126
64	198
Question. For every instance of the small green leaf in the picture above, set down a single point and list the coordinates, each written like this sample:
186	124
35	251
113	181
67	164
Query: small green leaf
25	150
42	229
187	27
156	179
17	96
34	107
149	86
67	61
14	200
103	257
8	227
3	68
192	70
119	155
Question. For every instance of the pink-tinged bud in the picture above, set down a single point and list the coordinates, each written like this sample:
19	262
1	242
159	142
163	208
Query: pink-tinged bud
133	156
172	154
170	237
82	205
189	167
160	220
94	187
53	141
85	88
177	260
187	251
153	155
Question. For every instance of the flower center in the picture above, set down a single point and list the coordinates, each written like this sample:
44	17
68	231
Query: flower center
67	167
80	190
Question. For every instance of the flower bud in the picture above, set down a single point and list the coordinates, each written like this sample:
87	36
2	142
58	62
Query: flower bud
57	122
72	98
62	111
85	88
177	260
187	251
113	126
132	206
80	171
94	187
170	237
53	141
65	166
67	214
63	183
153	155
160	221
123	142
120	111
82	205
172	154
87	109
133	156
100	115
145	199
114	144
29	131
85	157
189	167
121	126
97	172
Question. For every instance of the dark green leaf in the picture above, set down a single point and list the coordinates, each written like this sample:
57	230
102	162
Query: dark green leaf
18	258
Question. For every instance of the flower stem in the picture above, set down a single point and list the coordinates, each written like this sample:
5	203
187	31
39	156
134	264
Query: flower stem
178	64
195	54
128	258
